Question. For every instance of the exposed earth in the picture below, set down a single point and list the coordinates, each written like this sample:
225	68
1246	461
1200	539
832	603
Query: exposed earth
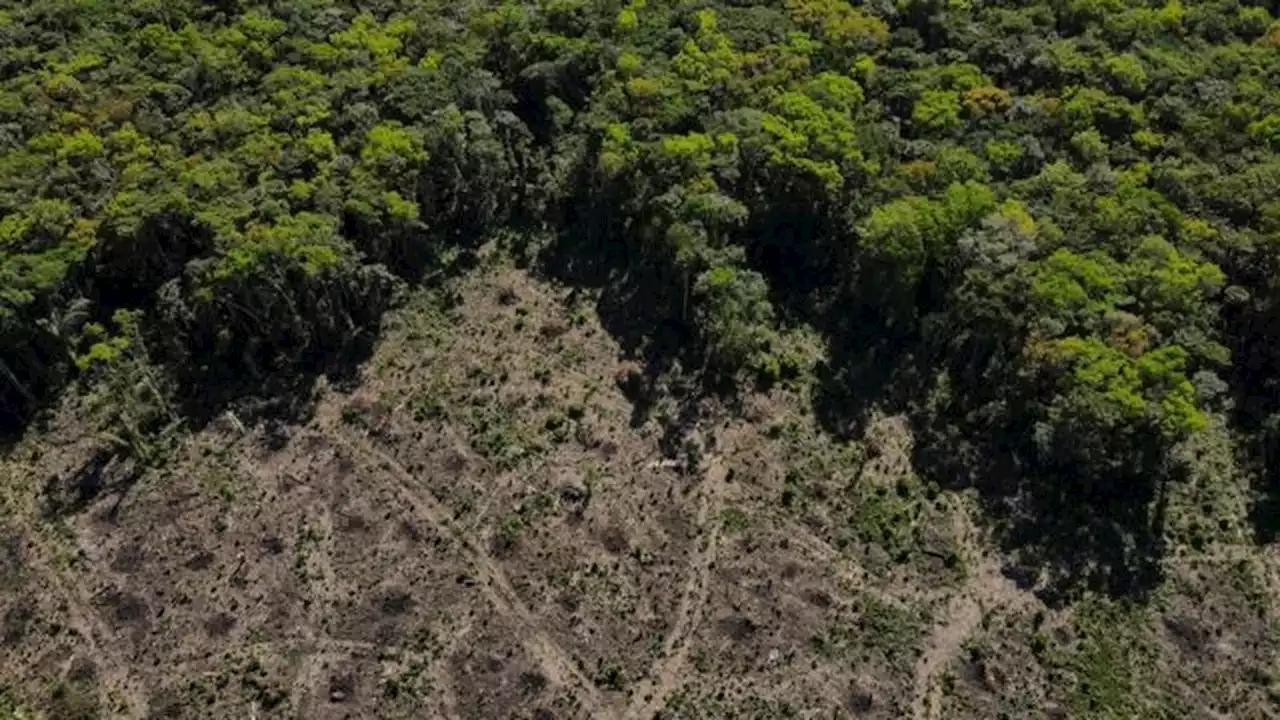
484	524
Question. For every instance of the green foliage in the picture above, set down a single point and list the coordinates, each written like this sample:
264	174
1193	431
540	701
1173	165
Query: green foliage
307	241
898	232
1003	154
937	110
1074	200
1089	146
392	146
1267	130
1126	74
1110	666
130	397
839	24
735	316
957	164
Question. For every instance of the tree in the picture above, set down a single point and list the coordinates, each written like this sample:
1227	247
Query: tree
734	318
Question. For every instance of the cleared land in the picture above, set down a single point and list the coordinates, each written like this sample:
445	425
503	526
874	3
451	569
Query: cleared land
485	526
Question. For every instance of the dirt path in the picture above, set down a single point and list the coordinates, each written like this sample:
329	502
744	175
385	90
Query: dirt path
322	580
97	640
100	644
94	637
986	589
666	675
448	699
964	612
559	665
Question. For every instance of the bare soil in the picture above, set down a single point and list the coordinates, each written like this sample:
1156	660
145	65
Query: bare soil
483	528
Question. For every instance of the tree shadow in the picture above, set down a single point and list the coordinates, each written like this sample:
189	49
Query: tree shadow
33	374
1261	457
1061	533
638	301
1100	543
870	367
1065	529
19	414
272	379
287	394
283	392
123	271
106	473
1256	394
1265	513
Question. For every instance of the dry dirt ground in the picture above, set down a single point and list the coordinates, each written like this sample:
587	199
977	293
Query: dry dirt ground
483	528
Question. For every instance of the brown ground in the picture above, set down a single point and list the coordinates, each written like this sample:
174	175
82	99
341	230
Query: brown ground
480	531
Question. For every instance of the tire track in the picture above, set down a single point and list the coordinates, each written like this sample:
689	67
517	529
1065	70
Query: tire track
667	673
78	608
559	665
964	613
448	699
98	638
987	590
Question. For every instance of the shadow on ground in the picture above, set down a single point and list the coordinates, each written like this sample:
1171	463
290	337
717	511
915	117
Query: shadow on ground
1263	459
637	302
1062	533
272	381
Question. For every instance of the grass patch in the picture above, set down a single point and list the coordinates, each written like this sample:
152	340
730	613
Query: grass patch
1113	664
873	630
734	520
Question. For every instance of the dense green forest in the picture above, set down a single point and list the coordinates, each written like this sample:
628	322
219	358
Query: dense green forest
1049	230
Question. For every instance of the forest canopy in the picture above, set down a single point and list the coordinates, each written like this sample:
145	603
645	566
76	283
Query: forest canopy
1067	211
